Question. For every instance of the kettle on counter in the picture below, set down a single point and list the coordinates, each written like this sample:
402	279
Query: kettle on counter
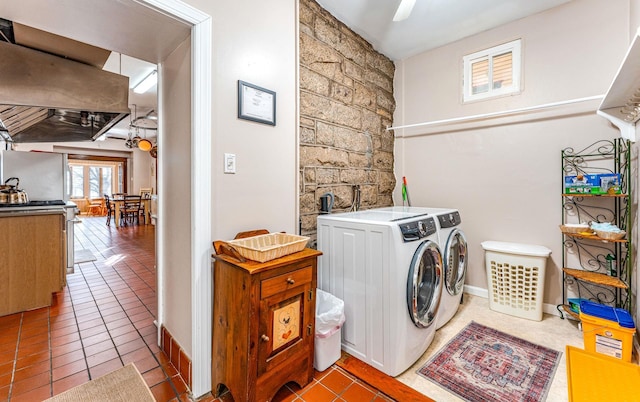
11	194
326	203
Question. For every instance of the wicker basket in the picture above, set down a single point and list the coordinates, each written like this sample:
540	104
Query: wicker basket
269	246
610	235
575	228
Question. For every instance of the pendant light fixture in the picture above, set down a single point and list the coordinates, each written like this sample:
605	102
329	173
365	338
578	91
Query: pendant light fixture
148	121
144	144
129	142
137	138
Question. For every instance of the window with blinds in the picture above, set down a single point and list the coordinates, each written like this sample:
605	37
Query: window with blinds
492	72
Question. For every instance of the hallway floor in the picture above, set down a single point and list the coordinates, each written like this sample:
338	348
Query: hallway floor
102	320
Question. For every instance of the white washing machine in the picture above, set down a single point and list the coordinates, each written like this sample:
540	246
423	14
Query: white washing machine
453	244
387	267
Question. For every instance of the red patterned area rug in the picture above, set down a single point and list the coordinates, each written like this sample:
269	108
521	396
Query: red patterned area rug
483	364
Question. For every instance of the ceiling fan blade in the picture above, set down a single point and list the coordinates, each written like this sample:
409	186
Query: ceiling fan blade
404	9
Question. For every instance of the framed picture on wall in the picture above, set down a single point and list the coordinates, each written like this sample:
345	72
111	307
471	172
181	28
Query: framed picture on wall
256	103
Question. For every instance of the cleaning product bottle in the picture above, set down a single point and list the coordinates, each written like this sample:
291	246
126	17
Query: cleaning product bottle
612	264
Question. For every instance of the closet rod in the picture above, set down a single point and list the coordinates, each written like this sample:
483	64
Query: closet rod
499	114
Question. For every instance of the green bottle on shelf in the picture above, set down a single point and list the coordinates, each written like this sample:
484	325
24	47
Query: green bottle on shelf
612	264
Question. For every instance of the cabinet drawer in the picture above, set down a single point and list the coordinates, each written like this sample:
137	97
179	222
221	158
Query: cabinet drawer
272	286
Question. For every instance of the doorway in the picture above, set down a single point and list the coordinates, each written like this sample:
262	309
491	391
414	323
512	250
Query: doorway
134	34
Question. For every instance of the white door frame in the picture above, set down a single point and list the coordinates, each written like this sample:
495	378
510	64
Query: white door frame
201	275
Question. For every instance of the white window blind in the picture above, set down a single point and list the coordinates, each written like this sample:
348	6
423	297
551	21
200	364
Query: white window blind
492	72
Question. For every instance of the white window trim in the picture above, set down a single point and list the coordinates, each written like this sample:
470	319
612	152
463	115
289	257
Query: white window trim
516	49
86	187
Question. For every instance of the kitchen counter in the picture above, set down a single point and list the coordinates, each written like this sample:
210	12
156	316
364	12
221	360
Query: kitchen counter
44	206
33	265
30	211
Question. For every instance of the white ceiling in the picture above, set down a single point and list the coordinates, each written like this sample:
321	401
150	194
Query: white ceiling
432	23
123	26
140	104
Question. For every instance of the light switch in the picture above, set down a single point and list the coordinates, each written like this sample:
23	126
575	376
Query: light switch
229	163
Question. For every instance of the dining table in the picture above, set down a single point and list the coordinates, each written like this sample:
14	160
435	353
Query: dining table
118	202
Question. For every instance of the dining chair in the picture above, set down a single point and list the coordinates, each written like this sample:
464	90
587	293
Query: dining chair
109	209
95	207
130	210
145	192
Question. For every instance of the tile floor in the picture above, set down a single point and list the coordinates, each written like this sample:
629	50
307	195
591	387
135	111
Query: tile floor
104	319
333	384
101	321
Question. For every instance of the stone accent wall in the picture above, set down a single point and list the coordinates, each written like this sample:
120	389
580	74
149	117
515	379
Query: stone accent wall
346	104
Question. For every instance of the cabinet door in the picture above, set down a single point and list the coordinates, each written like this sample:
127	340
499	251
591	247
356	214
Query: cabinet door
286	326
33	269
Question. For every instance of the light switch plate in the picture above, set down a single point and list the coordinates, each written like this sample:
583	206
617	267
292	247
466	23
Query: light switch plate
229	163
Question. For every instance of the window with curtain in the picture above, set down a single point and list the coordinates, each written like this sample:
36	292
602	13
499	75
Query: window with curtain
492	72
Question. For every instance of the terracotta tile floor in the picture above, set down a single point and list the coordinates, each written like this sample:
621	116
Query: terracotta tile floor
103	319
333	384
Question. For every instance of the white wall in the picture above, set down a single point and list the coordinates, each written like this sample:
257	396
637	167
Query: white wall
254	41
504	174
262	194
174	162
143	174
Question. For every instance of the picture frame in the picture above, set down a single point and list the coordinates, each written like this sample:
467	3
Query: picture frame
256	103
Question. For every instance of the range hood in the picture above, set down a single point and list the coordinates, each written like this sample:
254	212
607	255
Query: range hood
46	98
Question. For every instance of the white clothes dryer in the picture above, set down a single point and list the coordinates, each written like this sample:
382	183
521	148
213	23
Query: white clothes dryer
455	253
453	245
387	268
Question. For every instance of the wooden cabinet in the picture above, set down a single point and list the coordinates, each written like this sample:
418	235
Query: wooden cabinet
33	261
263	324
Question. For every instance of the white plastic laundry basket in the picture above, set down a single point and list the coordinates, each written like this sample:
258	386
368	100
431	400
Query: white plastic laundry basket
515	277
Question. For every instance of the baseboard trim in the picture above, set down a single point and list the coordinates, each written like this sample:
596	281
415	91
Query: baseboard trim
176	355
377	379
476	291
484	293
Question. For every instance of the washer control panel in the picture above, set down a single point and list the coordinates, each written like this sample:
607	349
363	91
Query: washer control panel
449	220
418	229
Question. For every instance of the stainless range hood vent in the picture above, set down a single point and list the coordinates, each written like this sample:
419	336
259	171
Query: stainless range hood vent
45	98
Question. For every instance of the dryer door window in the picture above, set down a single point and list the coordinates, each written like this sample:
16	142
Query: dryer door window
455	262
424	284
